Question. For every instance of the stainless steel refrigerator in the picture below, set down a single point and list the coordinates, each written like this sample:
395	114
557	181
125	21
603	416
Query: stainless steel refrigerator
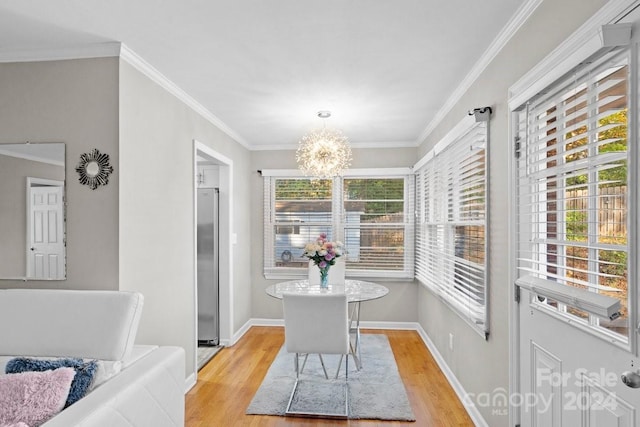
208	261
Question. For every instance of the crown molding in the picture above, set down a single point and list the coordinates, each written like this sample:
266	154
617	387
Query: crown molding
463	126
156	76
583	43
356	145
95	50
507	32
385	144
118	49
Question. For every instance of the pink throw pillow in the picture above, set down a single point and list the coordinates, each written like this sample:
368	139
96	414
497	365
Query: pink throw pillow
33	398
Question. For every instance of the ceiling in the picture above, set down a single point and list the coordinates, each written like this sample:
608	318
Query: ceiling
263	69
48	152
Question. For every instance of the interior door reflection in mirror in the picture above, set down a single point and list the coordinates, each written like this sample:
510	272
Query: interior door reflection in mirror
32	211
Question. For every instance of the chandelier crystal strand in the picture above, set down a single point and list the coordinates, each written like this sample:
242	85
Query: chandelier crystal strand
324	153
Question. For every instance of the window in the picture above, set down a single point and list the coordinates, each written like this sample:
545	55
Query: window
371	212
573	189
451	205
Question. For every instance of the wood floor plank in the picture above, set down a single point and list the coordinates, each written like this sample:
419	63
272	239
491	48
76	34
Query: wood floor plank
229	381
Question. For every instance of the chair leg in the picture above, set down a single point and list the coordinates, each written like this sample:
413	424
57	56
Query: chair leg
346	385
346	368
296	362
340	365
323	367
346	382
299	370
304	363
352	353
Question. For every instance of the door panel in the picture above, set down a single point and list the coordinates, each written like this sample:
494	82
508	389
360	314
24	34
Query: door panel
45	254
570	377
604	408
548	393
577	225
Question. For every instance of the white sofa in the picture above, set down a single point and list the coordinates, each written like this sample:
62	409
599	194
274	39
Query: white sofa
102	325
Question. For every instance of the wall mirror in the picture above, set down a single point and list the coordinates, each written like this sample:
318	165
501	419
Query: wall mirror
32	211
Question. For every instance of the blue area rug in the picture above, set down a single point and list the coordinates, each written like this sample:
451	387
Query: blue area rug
375	392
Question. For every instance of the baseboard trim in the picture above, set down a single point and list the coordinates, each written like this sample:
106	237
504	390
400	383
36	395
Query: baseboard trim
189	383
266	322
411	326
472	410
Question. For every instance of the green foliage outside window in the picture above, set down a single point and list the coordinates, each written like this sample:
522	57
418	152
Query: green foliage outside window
303	189
618	134
380	196
577	227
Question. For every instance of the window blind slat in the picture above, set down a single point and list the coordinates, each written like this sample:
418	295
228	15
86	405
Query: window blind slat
371	215
451	206
571	178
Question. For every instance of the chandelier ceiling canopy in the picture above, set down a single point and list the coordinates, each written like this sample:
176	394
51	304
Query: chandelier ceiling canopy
323	153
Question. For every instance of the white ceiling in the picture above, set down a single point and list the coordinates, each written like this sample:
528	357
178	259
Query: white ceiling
384	68
46	152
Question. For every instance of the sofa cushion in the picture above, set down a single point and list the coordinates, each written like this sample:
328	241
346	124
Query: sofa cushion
106	369
69	323
85	372
33	397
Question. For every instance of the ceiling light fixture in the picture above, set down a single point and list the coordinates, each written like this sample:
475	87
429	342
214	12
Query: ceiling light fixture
323	153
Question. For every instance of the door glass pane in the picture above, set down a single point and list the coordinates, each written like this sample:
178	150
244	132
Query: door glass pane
577	164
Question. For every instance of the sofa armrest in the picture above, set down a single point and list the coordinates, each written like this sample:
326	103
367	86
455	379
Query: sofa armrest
150	392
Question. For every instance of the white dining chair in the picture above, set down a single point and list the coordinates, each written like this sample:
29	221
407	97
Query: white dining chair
317	324
336	273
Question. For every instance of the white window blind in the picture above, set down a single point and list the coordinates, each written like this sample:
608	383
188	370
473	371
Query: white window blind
371	213
573	189
296	211
451	196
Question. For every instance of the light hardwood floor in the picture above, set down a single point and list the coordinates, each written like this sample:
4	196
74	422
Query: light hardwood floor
227	384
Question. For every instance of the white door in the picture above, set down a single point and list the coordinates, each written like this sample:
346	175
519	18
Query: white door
571	378
45	251
577	234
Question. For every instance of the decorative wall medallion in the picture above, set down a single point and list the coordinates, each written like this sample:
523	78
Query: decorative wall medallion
94	169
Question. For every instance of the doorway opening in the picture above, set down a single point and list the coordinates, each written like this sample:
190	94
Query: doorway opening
213	252
45	229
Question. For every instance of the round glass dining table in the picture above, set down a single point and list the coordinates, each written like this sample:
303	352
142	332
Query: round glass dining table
357	291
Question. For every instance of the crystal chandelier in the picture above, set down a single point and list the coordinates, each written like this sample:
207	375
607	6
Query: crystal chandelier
323	153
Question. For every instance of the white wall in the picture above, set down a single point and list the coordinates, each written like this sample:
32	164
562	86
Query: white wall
136	233
483	366
156	252
398	306
74	102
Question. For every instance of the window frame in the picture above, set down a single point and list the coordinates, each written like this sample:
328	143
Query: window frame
437	268
586	76
338	222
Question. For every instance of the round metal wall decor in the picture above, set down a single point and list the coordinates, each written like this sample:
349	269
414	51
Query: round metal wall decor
94	169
